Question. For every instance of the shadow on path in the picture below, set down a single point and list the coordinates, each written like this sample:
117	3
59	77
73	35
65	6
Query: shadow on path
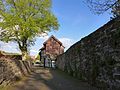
48	79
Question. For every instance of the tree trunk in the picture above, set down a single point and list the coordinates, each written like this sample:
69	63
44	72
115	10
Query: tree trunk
24	55
23	48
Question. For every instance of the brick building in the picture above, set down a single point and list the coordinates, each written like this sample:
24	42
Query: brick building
50	50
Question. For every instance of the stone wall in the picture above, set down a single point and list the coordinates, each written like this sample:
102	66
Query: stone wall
12	70
95	58
1	54
10	56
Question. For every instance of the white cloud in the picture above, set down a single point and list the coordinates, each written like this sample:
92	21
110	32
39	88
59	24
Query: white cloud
5	45
67	42
34	51
9	47
13	47
44	38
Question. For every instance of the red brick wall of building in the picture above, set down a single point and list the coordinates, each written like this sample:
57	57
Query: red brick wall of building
52	47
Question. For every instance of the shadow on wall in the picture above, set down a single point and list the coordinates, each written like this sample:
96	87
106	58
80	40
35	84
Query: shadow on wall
9	72
13	70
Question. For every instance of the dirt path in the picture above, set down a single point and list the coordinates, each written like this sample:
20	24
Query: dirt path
45	79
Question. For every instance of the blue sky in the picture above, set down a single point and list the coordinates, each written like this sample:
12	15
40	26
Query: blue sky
76	21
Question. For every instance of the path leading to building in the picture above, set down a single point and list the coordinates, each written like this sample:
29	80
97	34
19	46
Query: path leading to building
47	79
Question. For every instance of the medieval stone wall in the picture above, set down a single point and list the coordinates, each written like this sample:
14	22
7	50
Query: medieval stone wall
95	58
12	70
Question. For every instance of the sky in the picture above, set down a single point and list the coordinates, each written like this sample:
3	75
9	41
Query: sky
76	21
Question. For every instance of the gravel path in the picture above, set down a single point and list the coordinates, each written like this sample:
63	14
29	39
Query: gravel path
47	79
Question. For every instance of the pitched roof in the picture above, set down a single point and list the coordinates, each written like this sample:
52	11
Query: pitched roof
42	48
54	39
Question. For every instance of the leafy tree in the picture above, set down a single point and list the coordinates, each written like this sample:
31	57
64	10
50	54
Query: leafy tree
23	20
100	6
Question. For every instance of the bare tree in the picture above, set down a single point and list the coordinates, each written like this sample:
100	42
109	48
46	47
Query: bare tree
100	6
116	9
